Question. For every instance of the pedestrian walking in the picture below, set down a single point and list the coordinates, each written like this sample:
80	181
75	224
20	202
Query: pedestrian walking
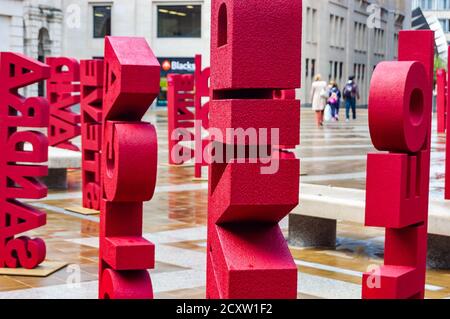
351	94
334	100
319	96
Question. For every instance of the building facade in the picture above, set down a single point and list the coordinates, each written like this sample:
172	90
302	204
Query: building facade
340	37
31	27
439	8
175	28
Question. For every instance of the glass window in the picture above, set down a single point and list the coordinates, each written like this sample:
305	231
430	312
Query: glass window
102	21
443	5
179	21
307	68
445	25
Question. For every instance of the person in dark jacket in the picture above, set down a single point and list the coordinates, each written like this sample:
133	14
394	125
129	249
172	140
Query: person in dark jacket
351	94
334	100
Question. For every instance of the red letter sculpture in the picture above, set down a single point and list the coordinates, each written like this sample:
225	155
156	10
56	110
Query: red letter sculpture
201	114
247	253
63	92
447	147
400	115
180	105
441	77
91	127
447	159
20	180
129	167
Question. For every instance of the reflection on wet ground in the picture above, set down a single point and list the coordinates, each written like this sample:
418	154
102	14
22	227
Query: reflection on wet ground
176	221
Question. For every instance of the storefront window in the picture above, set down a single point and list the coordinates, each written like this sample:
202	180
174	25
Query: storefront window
179	21
102	21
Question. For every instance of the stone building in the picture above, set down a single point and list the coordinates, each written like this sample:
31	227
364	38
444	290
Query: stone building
31	27
340	37
350	37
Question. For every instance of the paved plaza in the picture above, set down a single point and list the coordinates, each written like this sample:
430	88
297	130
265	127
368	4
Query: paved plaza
175	220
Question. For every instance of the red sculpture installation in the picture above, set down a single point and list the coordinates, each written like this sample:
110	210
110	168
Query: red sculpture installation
447	147
247	253
441	80
400	116
447	158
129	168
62	93
181	116
20	180
201	114
91	127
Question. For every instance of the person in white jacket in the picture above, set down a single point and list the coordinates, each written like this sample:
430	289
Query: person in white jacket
319	96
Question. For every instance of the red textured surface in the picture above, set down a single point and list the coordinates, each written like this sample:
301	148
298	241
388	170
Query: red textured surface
251	262
129	161
181	116
441	100
447	151
128	93
252	46
126	285
397	123
397	193
254	71
202	90
283	115
20	180
401	199
237	197
91	130
63	93
129	166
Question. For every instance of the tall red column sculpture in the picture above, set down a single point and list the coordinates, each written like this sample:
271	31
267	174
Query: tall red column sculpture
91	127
447	147
129	168
400	117
181	116
202	91
20	180
63	90
447	162
247	253
441	77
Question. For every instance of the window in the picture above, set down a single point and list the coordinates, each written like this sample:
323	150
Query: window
337	31
311	25
336	72
445	25
427	4
307	68
360	37
379	43
443	5
102	21
179	21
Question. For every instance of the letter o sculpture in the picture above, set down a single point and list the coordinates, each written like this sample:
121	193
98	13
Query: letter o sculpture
399	121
